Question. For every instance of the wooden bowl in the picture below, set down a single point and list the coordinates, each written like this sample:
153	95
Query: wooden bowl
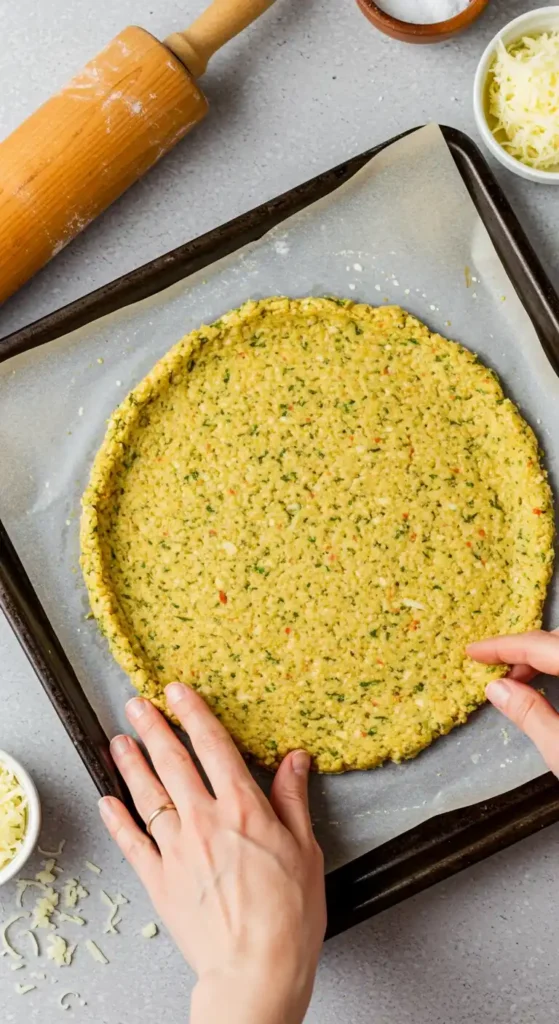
410	33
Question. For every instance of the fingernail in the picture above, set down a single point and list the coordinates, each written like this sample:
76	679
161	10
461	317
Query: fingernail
136	707
119	745
106	810
498	693
300	762
175	692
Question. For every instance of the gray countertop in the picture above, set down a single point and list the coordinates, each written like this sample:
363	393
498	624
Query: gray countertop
312	84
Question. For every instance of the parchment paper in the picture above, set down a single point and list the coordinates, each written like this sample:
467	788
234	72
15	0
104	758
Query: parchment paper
402	230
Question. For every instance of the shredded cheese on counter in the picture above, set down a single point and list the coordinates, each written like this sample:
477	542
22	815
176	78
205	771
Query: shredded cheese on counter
47	913
73	892
13	815
7	948
524	99
59	951
70	995
115	904
23	884
95	952
44	909
53	853
71	918
34	943
49	874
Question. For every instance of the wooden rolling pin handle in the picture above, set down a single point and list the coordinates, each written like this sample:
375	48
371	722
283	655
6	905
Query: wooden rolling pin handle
86	145
223	20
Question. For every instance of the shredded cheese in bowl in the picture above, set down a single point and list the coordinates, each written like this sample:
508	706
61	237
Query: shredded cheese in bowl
13	815
20	816
523	99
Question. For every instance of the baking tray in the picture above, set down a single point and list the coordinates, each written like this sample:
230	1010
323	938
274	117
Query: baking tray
440	846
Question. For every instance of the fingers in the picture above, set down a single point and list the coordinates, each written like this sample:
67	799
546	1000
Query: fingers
539	650
525	673
171	760
290	795
213	745
522	673
138	849
532	713
146	790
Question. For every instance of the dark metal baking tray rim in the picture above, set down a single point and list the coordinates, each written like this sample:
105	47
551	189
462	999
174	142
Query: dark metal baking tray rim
441	846
514	247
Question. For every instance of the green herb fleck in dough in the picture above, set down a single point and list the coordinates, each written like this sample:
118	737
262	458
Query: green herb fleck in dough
306	511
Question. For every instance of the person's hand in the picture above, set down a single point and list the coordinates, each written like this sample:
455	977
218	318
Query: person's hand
529	654
237	879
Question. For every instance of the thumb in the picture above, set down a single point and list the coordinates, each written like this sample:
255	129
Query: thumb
290	795
532	713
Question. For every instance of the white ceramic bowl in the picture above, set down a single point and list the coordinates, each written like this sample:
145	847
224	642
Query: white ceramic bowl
33	818
542	20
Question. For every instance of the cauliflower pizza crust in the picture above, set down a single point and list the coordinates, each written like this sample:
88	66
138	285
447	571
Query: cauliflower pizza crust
306	511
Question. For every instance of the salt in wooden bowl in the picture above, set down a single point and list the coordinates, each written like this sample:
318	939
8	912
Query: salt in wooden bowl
408	32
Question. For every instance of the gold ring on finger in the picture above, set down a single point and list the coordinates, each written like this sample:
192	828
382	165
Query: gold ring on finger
160	810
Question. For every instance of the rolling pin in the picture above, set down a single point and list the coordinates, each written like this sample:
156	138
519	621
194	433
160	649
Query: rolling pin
85	146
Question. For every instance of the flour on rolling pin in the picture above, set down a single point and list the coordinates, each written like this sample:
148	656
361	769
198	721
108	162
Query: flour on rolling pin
85	146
